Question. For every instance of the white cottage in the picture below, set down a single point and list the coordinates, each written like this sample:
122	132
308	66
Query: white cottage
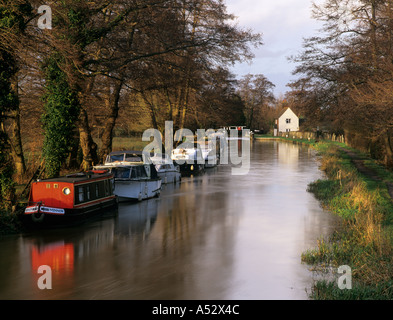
288	121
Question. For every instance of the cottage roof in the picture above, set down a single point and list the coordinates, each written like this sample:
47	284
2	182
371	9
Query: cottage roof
285	110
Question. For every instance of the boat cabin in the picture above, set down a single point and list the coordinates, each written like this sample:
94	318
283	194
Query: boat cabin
133	172
124	157
73	194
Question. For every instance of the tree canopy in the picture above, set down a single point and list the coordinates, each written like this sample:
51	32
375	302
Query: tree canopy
345	76
64	89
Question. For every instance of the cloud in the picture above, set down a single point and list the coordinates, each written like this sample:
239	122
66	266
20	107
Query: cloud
284	24
255	12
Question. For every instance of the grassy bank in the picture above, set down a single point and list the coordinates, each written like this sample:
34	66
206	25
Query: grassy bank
364	242
126	143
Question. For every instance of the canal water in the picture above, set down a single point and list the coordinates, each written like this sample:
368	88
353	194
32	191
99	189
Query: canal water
215	236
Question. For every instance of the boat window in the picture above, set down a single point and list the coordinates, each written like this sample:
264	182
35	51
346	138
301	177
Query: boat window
92	191
88	193
81	194
134	173
138	172
143	172
111	186
151	171
97	190
101	187
115	157
107	189
121	173
132	157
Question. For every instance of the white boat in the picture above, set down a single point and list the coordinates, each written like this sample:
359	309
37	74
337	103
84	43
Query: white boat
134	180
210	156
125	157
166	169
189	159
241	133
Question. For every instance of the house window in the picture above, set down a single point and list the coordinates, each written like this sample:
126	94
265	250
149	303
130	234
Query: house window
288	120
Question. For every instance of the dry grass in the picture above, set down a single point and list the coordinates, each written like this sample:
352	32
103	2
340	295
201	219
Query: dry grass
364	242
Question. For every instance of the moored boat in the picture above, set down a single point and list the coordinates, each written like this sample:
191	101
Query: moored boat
210	155
70	199
166	169
134	180
189	159
126	157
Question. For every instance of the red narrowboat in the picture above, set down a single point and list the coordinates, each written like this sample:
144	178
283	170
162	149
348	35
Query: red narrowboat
71	198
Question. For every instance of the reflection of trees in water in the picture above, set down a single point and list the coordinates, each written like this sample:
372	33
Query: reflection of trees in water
195	236
136	219
10	265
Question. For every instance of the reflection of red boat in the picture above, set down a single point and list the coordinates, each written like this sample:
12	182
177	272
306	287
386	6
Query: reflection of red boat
60	257
70	198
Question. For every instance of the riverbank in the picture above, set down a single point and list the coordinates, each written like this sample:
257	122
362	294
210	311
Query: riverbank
358	190
9	223
266	137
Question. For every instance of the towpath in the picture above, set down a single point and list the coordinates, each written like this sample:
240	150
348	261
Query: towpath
358	161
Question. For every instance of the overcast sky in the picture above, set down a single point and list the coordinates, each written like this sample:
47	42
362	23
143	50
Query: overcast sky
284	24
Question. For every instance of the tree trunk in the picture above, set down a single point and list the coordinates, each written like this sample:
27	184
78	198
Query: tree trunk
170	106
184	105
15	136
153	113
388	150
72	161
88	146
112	104
16	143
251	119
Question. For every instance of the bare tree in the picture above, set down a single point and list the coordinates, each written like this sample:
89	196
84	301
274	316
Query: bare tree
256	92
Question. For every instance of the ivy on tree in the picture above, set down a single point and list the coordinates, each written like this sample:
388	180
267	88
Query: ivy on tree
61	112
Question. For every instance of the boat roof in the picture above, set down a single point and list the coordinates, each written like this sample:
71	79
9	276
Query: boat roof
79	177
134	152
127	165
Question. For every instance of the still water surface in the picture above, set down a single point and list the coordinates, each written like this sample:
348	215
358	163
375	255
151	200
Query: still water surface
215	236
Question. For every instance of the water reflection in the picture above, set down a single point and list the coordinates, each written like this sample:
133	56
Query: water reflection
136	219
214	236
